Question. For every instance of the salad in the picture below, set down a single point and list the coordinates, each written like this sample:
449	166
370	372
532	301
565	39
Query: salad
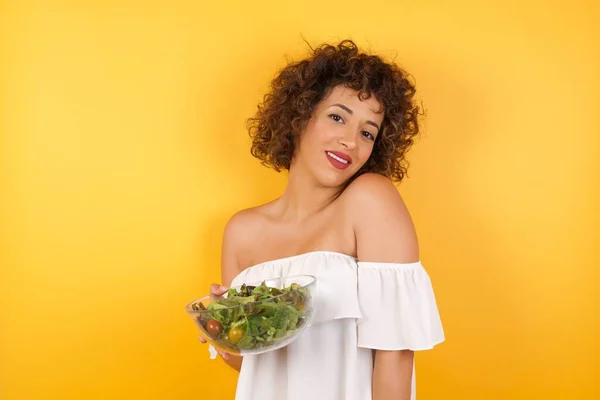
255	316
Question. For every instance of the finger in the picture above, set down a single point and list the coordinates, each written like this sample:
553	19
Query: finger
201	338
225	356
215	287
217	290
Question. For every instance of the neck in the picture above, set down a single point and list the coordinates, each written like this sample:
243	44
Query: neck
303	197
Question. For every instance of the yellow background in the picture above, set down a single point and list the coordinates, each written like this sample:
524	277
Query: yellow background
123	152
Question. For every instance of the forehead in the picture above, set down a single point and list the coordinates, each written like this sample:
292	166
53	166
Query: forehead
349	97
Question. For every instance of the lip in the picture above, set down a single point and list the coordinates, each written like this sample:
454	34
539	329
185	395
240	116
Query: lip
336	163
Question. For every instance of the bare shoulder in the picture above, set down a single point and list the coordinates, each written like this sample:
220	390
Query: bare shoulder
243	226
372	186
240	223
383	228
238	234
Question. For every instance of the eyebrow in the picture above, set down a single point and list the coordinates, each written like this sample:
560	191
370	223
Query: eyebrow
349	111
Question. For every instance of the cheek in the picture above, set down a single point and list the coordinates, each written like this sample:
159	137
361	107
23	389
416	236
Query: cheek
306	140
314	136
364	153
323	130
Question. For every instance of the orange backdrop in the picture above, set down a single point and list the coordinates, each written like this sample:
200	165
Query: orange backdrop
123	152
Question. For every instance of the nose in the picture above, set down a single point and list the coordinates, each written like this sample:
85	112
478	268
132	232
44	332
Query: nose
348	140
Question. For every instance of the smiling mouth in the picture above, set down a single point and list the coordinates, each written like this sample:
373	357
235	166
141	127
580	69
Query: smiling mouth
340	161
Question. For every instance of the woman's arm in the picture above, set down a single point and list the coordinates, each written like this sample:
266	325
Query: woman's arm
392	375
230	268
384	233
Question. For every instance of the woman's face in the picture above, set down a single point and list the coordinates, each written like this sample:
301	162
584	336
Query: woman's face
339	137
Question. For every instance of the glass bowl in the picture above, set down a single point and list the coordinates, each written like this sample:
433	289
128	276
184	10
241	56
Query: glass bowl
257	317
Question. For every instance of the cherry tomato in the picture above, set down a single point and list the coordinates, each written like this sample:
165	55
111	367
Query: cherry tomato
235	334
214	327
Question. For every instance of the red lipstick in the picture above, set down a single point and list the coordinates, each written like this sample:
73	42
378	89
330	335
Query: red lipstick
338	160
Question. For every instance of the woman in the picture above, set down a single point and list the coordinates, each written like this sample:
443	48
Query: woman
340	122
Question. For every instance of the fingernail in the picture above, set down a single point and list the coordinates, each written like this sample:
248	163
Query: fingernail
222	287
226	356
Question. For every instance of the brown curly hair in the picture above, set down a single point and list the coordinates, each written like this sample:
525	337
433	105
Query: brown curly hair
300	86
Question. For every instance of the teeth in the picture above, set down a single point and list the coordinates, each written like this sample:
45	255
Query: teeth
337	158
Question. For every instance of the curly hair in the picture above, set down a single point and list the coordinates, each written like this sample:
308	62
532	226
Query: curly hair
300	86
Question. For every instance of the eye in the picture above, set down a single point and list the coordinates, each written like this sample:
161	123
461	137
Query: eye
336	118
368	135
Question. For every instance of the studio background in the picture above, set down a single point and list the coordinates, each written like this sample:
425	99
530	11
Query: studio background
123	152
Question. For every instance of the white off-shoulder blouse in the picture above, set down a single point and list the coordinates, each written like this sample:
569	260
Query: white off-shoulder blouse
359	306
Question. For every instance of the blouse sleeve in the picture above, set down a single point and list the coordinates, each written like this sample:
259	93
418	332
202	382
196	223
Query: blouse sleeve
398	306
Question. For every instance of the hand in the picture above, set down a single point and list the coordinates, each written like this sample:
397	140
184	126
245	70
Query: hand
216	291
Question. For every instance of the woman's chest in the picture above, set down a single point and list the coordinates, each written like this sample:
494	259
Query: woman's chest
275	240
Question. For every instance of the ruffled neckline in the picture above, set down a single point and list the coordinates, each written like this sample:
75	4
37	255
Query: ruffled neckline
302	255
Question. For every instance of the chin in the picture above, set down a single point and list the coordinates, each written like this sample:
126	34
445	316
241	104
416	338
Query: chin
333	180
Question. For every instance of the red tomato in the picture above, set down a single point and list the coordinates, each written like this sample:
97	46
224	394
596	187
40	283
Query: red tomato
214	327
